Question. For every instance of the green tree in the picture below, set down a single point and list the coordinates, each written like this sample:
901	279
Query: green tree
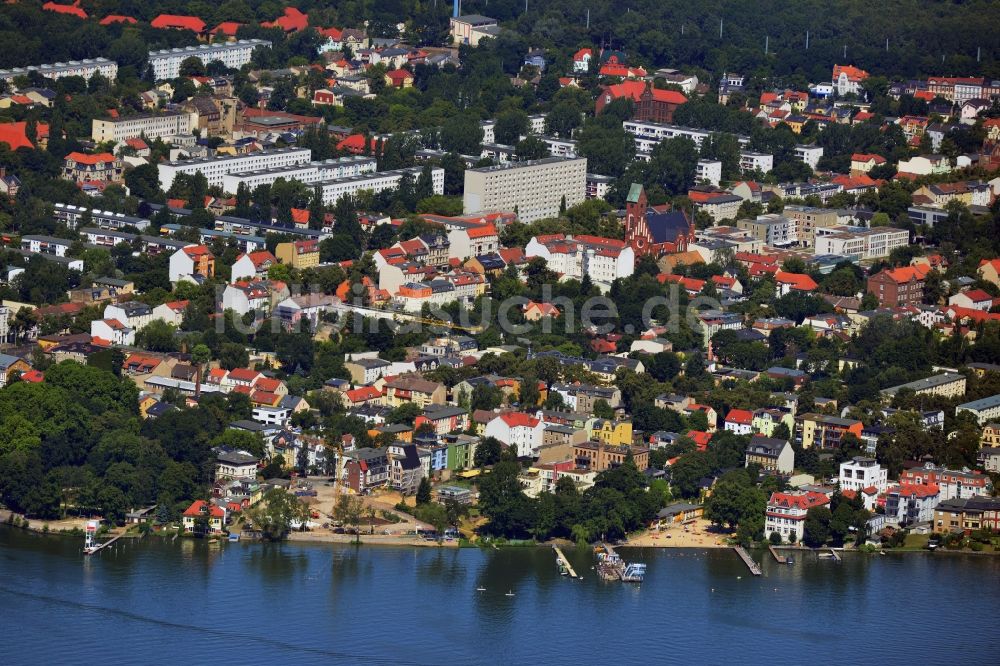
488	452
275	514
816	530
348	510
424	491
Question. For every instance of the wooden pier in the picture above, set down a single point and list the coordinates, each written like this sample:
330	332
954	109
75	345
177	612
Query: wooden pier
745	556
93	550
835	554
780	559
564	562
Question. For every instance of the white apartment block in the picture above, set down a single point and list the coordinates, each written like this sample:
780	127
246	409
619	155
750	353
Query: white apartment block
85	68
860	242
809	154
750	161
309	173
773	229
333	189
649	134
860	473
560	147
71	215
708	170
151	126
536	189
603	259
215	168
536	120
166	64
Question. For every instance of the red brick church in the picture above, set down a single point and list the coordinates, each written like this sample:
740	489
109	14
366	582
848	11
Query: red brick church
651	104
649	232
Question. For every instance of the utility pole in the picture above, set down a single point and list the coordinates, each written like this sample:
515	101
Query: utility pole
588	19
720	28
767	40
886	44
807	40
978	52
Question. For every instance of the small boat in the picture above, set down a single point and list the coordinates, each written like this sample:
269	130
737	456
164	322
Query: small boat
480	589
234	537
510	593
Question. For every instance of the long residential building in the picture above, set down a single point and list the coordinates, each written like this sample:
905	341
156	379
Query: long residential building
860	243
71	216
333	189
216	168
946	385
166	63
536	188
984	409
151	126
649	134
309	173
85	68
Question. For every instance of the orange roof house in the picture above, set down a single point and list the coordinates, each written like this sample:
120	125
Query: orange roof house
534	311
70	10
13	134
227	28
177	22
291	21
117	18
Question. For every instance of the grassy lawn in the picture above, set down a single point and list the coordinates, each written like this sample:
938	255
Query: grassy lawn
915	541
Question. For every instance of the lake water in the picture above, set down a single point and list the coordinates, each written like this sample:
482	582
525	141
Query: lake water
152	602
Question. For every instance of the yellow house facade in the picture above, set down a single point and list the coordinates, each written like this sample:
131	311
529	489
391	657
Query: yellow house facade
616	433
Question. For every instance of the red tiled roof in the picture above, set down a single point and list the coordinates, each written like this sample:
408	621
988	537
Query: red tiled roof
482	231
117	18
83	158
291	20
269	384
867	157
32	376
917	489
853	73
363	394
798	281
199	506
906	274
175	21
227	28
71	10
13	134
243	374
978	295
399	76
700	438
300	215
518	419
634	89
804	501
740	416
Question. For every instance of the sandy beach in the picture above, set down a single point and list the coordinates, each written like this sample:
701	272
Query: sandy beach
699	534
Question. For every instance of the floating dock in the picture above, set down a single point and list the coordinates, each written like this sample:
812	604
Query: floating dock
611	566
564	566
745	556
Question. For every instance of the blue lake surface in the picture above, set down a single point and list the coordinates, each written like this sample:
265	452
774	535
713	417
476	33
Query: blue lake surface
154	602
